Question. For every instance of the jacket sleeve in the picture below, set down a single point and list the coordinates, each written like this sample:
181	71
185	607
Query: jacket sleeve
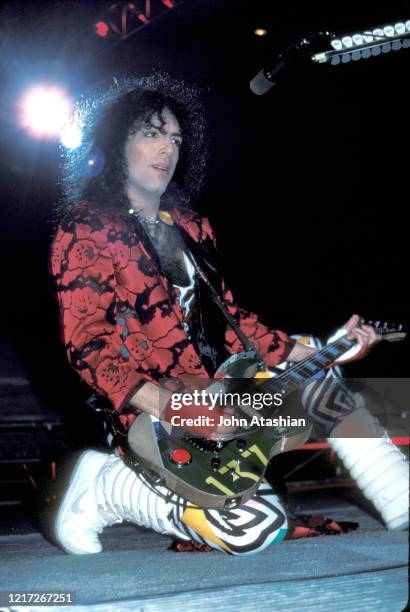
273	345
83	268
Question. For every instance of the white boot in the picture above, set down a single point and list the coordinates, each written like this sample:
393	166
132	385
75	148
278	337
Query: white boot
379	468
104	491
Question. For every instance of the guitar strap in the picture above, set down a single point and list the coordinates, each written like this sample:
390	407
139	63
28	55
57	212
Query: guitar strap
248	344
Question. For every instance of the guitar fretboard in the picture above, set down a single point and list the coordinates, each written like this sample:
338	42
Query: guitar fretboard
308	368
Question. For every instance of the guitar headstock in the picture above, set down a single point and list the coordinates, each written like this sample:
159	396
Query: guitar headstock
389	331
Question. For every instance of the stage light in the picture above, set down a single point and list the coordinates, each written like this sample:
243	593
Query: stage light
400	28
260	32
369	43
337	44
45	109
102	29
347	41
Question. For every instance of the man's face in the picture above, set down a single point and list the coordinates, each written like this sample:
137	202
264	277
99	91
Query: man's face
152	154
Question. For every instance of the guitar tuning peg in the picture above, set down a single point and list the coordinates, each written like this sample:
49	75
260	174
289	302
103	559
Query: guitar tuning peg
377	324
385	326
370	322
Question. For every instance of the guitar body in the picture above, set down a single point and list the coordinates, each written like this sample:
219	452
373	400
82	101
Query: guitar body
212	474
226	473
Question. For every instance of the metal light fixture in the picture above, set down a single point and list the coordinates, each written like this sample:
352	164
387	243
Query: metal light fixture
362	45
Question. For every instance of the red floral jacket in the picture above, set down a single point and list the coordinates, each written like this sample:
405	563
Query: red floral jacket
121	320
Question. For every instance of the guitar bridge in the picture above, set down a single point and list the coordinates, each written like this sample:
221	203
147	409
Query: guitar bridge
204	445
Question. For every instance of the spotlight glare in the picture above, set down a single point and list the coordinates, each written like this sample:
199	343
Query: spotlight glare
260	32
71	135
45	109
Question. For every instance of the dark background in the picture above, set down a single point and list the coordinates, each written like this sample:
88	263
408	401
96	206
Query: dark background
307	186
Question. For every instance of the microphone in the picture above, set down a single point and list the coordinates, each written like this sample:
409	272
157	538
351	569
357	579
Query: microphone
269	75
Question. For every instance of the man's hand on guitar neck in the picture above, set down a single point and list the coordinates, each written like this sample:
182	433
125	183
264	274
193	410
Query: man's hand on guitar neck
365	335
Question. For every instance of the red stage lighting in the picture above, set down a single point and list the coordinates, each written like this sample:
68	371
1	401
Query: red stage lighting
102	29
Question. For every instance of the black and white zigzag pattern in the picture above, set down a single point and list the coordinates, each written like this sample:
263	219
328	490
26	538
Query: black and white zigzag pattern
244	530
328	400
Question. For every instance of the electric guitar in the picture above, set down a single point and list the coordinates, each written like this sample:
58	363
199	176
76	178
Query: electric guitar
226	473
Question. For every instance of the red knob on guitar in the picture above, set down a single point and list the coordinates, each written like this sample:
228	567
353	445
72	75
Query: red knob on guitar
180	457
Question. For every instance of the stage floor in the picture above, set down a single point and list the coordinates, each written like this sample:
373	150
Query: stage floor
363	570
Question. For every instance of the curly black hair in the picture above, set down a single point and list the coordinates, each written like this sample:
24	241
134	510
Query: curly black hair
96	171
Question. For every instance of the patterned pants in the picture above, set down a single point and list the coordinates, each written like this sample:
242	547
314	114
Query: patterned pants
252	527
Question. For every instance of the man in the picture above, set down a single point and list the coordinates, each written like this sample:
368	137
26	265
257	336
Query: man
134	310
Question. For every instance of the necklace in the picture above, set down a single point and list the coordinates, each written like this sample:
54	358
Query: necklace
143	219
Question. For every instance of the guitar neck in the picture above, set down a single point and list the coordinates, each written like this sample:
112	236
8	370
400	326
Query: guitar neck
308	368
